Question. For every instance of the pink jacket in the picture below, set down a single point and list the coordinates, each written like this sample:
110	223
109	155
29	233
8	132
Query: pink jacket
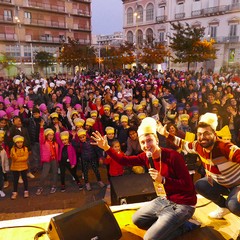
45	149
72	156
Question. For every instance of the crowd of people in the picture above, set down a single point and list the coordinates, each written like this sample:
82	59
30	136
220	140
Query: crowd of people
46	124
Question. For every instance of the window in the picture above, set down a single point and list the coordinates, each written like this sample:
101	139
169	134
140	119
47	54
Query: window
213	31
27	51
27	15
7	15
149	35
129	16
149	12
161	37
13	50
233	30
139	14
130	37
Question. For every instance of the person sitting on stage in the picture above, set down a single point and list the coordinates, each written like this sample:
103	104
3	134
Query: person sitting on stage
164	217
221	161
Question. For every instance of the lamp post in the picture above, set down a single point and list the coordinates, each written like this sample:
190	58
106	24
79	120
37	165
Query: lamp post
168	34
18	22
137	16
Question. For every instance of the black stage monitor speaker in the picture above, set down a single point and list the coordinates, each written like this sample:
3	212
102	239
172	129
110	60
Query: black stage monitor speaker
94	221
132	188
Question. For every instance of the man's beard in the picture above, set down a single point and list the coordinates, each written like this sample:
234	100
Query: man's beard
207	144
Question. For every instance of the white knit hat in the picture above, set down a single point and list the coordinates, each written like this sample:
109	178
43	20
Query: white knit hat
210	119
147	126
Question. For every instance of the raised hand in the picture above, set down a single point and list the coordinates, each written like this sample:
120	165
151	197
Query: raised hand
100	141
162	129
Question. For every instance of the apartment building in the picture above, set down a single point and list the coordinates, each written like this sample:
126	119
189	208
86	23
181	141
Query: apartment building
29	26
221	19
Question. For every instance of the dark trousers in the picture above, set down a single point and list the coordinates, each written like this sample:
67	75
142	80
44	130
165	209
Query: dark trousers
73	171
94	165
1	178
16	175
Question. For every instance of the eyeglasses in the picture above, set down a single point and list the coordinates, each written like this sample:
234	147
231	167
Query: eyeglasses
204	134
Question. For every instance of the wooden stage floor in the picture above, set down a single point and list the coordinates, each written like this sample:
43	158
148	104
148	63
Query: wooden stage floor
227	228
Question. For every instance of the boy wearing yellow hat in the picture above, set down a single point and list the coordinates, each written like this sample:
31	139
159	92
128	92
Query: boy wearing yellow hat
19	166
122	133
97	126
90	156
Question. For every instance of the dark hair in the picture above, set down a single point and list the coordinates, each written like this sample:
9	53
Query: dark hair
35	110
132	128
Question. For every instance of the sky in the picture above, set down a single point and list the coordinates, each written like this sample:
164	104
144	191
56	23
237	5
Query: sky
107	16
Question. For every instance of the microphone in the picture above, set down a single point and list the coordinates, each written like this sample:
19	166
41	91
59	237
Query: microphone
149	156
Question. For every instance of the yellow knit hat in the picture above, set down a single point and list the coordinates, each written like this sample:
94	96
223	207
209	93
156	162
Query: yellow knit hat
106	107
138	107
90	122
109	130
124	118
2	133
48	131
128	107
78	122
18	138
115	116
120	105
184	117
141	116
81	132
64	135
148	125
54	115
74	112
155	101
93	113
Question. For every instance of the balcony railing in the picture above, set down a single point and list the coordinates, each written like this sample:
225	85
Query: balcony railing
222	39
197	13
6	1
8	37
81	27
161	19
40	22
5	18
179	15
234	7
81	12
216	10
46	6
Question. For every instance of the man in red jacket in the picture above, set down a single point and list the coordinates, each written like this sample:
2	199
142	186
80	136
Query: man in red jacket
165	217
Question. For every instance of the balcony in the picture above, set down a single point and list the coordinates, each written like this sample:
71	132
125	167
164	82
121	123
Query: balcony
7	2
234	7
215	10
179	15
5	19
81	12
45	23
8	36
81	27
231	39
197	13
43	39
161	19
46	6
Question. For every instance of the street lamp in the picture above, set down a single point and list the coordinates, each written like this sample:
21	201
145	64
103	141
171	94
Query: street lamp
18	22
137	17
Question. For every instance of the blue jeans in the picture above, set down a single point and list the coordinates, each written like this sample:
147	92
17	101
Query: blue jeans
162	219
215	193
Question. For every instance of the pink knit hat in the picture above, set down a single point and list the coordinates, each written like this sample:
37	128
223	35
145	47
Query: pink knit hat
78	106
30	104
2	113
16	112
6	102
43	107
1	98
9	111
60	106
67	100
20	101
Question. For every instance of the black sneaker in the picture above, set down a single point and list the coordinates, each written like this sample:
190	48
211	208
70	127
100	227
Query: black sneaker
63	189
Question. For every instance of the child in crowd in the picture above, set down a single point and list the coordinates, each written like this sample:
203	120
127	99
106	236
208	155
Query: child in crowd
19	166
67	158
89	155
49	156
4	164
115	169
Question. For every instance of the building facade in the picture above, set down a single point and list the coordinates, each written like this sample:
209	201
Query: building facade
153	18
29	26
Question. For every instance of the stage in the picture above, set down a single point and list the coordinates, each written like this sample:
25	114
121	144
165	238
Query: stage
227	228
